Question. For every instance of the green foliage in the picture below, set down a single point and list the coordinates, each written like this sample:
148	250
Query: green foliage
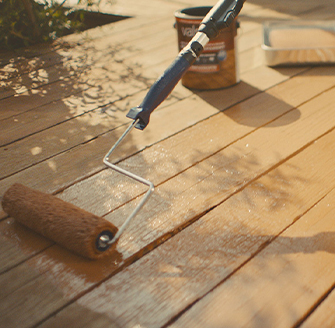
27	22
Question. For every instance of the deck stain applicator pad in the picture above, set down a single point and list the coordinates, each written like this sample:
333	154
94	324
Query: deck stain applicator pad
62	222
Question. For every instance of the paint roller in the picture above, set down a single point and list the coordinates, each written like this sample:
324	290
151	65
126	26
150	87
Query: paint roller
82	232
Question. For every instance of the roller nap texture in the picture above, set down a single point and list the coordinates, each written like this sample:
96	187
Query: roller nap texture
62	222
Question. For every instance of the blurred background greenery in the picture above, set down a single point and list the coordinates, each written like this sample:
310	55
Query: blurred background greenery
27	22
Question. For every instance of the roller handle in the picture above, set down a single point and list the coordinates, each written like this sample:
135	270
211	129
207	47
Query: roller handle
161	88
219	17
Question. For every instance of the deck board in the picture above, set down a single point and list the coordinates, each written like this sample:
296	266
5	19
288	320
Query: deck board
225	170
280	284
324	314
244	180
159	286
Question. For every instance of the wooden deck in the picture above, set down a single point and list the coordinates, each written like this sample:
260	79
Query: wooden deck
240	231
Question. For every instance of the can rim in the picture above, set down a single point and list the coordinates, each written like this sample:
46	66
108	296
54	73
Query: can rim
192	13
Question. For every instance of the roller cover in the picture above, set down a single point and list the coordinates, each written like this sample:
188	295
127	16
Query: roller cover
62	222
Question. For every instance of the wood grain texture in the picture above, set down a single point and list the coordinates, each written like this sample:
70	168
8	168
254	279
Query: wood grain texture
40	147
323	315
88	126
279	285
78	68
243	115
243	177
192	193
160	285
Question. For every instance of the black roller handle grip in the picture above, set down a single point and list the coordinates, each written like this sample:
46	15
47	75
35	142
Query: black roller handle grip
162	88
218	18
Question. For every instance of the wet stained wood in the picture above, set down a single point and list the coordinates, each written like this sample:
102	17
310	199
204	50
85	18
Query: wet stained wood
193	192
53	170
244	181
88	126
168	158
53	167
160	285
71	133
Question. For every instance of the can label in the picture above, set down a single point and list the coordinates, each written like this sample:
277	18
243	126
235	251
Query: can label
214	53
217	65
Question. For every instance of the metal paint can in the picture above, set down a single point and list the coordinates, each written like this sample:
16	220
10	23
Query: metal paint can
217	66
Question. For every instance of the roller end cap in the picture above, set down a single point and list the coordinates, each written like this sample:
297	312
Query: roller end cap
102	243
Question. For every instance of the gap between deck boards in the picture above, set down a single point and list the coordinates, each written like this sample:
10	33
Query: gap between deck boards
161	254
310	105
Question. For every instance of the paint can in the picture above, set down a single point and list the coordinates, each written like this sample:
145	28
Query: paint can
217	66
